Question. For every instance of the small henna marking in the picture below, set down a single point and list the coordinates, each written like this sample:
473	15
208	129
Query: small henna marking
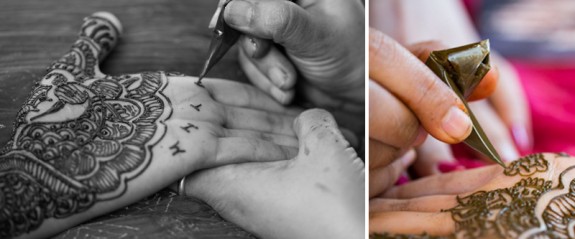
196	107
177	149
187	128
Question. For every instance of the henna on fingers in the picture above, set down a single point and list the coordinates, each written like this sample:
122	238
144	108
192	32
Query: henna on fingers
541	204
60	164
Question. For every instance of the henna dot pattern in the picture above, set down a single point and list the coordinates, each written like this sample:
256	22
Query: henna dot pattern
80	136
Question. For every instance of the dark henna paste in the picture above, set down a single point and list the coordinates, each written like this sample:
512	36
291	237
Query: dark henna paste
196	107
176	148
532	208
187	128
80	136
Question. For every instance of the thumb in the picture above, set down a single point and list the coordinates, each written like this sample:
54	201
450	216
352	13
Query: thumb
317	132
284	22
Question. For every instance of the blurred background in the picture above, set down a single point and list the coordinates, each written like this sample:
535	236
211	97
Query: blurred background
532	40
538	38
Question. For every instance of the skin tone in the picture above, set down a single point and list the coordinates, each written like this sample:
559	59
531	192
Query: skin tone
109	140
506	110
409	102
531	197
323	57
303	197
323	185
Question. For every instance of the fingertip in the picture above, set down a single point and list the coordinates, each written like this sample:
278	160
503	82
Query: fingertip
283	97
486	86
421	136
310	120
522	138
456	124
282	78
239	14
408	158
254	47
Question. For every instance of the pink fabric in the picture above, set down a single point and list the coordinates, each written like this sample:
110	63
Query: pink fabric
551	94
550	90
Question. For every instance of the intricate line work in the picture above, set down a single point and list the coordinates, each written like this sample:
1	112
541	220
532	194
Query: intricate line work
392	236
196	107
527	166
80	136
176	148
188	127
174	73
505	212
531	208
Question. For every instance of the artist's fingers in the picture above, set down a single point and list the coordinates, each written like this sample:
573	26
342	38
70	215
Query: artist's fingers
511	104
390	121
453	183
233	150
271	137
381	155
272	73
414	223
243	95
437	107
495	130
249	119
485	88
430	155
254	47
284	22
382	178
432	203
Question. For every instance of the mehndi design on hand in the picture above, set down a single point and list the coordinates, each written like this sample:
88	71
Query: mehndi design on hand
534	207
86	143
60	164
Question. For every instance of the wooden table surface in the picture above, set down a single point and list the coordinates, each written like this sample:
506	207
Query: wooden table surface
168	35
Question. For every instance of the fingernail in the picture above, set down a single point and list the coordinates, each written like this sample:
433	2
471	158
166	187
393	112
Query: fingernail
408	158
279	95
239	13
508	153
456	123
403	179
278	77
421	136
253	47
521	138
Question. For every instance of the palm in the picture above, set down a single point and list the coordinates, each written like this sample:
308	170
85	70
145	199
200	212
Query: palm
83	137
531	198
321	187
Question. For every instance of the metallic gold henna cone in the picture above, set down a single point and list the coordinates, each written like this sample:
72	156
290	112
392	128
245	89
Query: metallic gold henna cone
462	68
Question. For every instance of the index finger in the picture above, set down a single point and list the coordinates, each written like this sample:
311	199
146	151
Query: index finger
438	108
